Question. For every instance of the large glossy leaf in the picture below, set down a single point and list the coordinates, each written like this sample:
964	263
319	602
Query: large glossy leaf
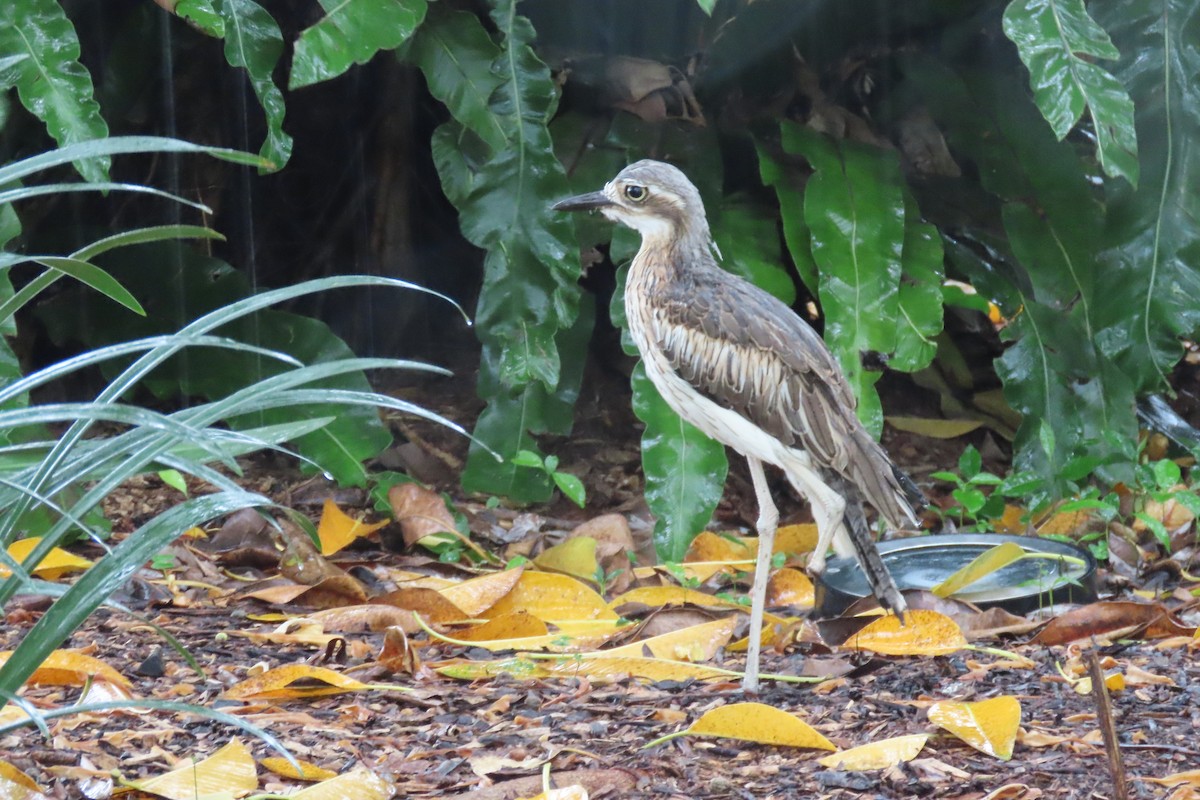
531	267
203	15
254	43
1149	267
854	208
456	55
50	81
919	314
789	188
1059	43
351	32
748	241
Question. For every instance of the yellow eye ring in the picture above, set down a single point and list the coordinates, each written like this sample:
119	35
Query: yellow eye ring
636	193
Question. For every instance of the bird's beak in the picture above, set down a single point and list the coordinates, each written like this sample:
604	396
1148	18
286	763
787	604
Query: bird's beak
583	202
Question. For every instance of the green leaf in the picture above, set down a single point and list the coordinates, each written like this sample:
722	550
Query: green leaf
530	295
572	487
1147	268
685	471
855	210
456	54
970	499
351	32
95	277
707	6
51	82
970	462
174	478
1157	528
948	477
749	244
1058	41
528	458
919	311
789	188
254	43
1166	474
203	15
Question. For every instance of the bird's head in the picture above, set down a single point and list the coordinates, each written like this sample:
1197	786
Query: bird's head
655	199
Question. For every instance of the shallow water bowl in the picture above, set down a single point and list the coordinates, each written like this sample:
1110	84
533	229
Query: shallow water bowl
923	562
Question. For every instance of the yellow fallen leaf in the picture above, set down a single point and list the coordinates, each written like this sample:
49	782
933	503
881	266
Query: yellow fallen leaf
755	722
298	681
338	529
934	428
790	587
52	567
924	633
987	562
576	557
71	668
551	597
20	781
801	538
990	726
693	643
229	772
715	547
519	625
573	792
596	667
359	783
476	595
877	755
308	771
1190	777
672	596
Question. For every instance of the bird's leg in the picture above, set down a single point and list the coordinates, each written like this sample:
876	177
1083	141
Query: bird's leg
768	518
828	510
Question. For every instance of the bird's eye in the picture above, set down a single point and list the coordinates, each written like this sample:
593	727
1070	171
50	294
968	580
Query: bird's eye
636	193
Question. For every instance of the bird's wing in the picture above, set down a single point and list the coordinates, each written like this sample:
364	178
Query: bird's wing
747	351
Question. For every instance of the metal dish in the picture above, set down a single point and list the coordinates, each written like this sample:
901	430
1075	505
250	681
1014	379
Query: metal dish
925	561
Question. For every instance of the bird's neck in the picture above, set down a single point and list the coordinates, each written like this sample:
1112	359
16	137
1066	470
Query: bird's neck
667	251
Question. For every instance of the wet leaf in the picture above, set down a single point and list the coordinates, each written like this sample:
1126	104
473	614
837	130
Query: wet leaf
71	668
351	32
56	563
790	587
1112	620
756	722
338	529
877	755
359	783
990	726
657	596
476	595
695	643
576	556
430	604
551	597
295	681
934	428
229	772
309	771
420	512
984	564
923	633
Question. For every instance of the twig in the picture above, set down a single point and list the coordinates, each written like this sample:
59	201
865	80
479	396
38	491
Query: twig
1107	727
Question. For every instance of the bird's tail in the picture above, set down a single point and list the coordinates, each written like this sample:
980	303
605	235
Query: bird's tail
893	493
883	586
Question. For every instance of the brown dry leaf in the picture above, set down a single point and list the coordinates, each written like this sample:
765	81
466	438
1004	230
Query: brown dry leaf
1112	620
551	597
296	681
334	591
993	622
398	654
369	618
1170	512
1034	738
57	562
1190	777
71	668
309	772
1013	791
756	722
575	792
790	587
229	772
491	763
338	529
429	603
575	556
476	595
421	513
877	755
359	783
1136	676
923	633
990	726
696	643
614	543
1065	523
300	630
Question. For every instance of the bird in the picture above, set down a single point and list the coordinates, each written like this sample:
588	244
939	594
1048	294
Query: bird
741	366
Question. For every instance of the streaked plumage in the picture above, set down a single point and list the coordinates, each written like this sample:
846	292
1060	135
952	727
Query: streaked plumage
746	370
